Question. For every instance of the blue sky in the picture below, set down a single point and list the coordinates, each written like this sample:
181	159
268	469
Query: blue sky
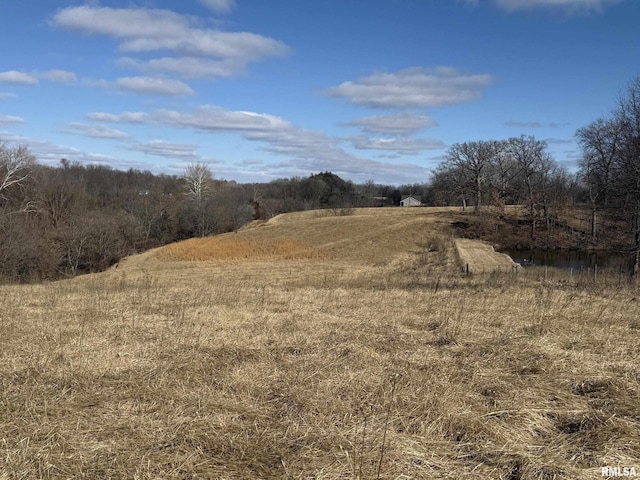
371	90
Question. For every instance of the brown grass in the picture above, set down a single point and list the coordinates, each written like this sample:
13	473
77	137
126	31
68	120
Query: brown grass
232	247
387	364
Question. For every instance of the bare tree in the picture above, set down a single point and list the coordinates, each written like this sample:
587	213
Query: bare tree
502	174
56	194
534	166
601	143
199	181
627	115
15	168
451	182
474	159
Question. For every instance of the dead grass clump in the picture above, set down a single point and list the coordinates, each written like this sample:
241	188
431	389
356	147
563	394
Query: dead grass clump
574	422
492	393
447	337
592	388
528	361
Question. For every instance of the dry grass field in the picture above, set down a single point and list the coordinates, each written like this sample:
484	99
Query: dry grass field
319	347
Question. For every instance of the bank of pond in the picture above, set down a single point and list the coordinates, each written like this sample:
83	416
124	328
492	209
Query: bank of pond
576	260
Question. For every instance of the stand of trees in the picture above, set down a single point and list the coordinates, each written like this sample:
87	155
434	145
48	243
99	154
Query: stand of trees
521	171
610	168
514	171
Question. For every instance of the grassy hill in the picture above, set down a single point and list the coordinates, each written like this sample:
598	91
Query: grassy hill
319	346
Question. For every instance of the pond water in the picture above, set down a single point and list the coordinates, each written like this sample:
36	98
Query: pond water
572	259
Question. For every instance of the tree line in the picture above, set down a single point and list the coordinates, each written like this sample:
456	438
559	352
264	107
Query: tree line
75	218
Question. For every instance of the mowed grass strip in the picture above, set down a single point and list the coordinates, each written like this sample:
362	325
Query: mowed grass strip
480	257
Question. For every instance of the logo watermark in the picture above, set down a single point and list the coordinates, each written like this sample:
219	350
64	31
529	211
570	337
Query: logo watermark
618	471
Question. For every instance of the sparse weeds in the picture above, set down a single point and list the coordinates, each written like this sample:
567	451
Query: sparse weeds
447	327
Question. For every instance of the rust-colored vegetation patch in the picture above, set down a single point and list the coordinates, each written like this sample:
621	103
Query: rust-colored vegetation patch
232	248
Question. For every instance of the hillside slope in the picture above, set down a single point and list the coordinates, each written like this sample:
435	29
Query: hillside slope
367	242
318	347
368	235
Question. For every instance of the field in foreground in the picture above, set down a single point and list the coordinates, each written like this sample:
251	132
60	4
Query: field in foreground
318	347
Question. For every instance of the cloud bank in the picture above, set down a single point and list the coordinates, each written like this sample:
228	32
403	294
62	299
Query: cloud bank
414	87
397	124
143	31
571	5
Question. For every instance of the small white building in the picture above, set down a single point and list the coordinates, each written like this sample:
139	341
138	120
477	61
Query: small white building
410	201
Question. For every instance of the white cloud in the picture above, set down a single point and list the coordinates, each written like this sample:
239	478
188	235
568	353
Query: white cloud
521	124
187	67
122	23
209	43
571	5
309	151
397	124
203	118
356	168
559	141
399	145
18	78
140	30
60	76
129	117
313	151
33	78
534	124
219	6
249	163
95	131
49	153
153	86
184	151
7	95
10	119
414	87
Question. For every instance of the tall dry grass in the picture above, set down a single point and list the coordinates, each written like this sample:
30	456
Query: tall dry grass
318	368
